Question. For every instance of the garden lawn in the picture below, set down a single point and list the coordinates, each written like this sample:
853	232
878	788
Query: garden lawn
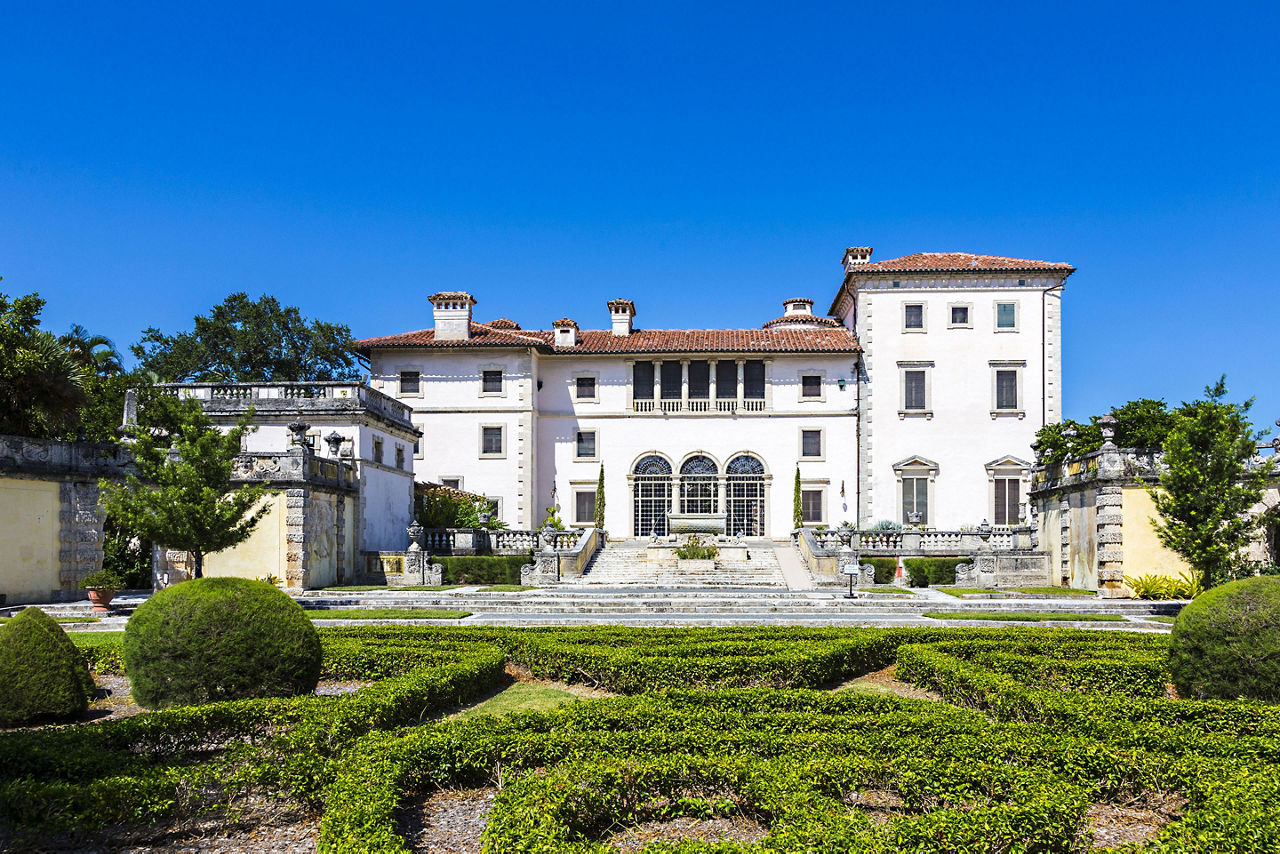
1025	616
387	614
520	697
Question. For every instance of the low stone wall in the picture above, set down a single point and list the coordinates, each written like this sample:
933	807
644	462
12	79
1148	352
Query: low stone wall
401	569
50	521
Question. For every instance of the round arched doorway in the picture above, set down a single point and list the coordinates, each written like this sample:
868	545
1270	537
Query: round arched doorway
744	496
651	495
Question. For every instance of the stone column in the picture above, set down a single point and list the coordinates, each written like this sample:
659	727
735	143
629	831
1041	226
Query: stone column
711	373
79	535
1064	525
1110	517
684	384
741	363
297	562
657	384
340	537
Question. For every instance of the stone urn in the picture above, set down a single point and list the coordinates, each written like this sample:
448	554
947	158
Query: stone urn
548	539
101	598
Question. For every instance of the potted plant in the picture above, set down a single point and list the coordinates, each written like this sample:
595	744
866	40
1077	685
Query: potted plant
101	587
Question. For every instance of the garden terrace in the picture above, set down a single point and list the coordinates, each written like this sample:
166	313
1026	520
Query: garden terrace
1043	740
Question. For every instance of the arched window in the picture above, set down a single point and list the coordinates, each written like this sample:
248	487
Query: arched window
699	485
652	496
744	496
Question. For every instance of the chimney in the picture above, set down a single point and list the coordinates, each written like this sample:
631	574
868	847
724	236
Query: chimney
797	305
621	311
854	256
452	315
566	332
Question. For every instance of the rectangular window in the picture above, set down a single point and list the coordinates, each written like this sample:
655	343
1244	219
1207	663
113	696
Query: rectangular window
1006	315
586	449
699	380
585	388
491	441
753	380
491	382
810	443
410	382
727	380
377	450
1008	500
913	390
810	385
584	506
672	380
1006	389
915	500
959	315
642	381
400	456
913	316
451	482
811	505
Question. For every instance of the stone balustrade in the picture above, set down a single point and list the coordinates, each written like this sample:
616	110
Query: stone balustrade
269	398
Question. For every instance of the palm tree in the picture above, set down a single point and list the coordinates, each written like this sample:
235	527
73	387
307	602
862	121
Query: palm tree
44	389
97	353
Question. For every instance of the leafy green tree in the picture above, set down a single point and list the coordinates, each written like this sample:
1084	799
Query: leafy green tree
246	341
1141	423
184	498
41	385
1208	486
96	353
599	519
797	504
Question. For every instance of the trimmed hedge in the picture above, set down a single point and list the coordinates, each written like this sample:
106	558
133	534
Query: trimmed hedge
932	571
1226	642
482	569
213	639
1041	725
41	673
886	568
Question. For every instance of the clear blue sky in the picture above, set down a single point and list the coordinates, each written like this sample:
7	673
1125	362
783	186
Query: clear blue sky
704	160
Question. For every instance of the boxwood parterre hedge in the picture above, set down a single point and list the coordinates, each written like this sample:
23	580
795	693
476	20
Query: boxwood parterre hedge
1035	727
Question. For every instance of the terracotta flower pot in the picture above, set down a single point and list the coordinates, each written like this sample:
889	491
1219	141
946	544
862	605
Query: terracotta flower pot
101	598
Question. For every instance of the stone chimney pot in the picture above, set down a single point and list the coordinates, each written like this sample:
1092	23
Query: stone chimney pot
855	256
621	311
452	310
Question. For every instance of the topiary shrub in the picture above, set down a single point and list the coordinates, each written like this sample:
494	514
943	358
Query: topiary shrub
214	639
1226	643
42	674
886	568
482	569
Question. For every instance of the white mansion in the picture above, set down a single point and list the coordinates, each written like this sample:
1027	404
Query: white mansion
916	400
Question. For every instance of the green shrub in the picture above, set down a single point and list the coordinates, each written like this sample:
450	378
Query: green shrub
1226	643
926	571
696	549
1185	586
886	568
483	569
219	639
41	671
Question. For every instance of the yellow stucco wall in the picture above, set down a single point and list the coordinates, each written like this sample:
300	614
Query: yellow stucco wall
1143	553
262	554
29	527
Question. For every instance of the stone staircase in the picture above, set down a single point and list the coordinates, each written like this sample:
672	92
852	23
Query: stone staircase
624	565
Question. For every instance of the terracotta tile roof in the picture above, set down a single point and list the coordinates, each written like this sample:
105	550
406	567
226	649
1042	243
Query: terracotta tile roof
802	319
957	262
503	323
564	321
780	339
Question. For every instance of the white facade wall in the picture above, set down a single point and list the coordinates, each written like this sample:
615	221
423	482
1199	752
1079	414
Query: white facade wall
541	426
624	436
960	431
452	410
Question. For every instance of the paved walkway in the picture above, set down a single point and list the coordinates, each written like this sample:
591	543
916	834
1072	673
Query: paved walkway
794	572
